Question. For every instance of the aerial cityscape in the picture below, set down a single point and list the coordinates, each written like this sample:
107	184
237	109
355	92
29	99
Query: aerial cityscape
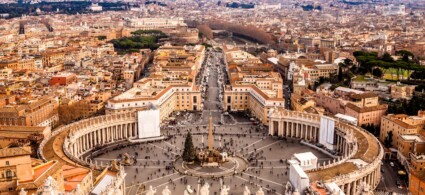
212	97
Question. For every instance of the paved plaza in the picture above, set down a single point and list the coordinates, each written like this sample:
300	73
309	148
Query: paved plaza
267	160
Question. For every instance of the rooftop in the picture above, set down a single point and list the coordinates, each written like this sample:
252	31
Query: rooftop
368	150
416	138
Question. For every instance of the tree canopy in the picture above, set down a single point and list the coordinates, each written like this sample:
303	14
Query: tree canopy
72	113
248	31
409	107
149	32
370	60
141	39
189	153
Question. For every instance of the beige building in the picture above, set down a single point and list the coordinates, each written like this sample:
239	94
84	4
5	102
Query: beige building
155	23
400	91
19	171
18	64
366	108
305	102
401	124
254	86
166	99
409	144
22	135
321	70
14	167
170	87
53	58
6	73
40	112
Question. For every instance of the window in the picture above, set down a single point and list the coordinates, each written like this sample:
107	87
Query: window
8	173
7	163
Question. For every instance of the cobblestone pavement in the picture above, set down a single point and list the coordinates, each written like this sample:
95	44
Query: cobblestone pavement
267	167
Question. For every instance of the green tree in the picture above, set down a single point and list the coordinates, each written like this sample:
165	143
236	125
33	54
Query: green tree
387	58
189	153
340	73
348	62
405	55
377	72
72	113
371	128
101	37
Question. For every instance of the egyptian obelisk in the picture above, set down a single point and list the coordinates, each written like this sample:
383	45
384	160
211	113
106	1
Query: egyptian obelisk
210	134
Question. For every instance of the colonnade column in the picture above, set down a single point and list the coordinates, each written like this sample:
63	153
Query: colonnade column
348	190
287	129
353	189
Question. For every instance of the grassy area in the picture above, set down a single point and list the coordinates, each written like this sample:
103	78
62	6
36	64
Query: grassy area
359	78
391	74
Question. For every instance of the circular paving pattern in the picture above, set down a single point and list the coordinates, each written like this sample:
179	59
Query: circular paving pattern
232	166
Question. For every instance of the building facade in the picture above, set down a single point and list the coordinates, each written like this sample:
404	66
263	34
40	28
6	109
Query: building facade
400	124
40	112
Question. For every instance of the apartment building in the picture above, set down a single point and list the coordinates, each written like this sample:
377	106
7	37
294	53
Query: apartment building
304	101
6	73
409	144
321	70
417	173
253	87
19	64
170	86
63	79
401	124
155	23
401	91
39	112
52	58
364	106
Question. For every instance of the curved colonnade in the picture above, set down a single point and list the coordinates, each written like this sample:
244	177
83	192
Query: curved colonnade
360	153
92	134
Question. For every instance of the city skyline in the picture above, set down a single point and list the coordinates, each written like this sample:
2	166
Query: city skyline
212	97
